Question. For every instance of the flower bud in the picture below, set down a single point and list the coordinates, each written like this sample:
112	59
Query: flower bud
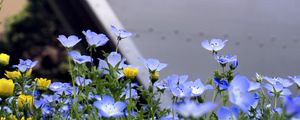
12	74
4	59
6	87
24	100
154	76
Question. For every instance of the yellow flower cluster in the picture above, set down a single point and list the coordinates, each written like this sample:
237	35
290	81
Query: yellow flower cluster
4	59
130	72
12	74
6	87
42	83
25	99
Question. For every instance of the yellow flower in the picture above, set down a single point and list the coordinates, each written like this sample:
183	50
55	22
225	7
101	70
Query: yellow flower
23	118
6	87
130	72
10	117
12	74
42	83
24	100
28	72
4	59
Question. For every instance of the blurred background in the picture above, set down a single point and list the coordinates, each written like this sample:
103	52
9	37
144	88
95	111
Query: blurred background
265	35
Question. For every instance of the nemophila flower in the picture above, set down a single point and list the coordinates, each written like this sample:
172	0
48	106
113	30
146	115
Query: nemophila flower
154	64
12	74
197	87
282	81
109	108
296	79
225	113
6	87
233	64
175	80
170	117
4	59
227	59
221	84
25	65
103	66
292	106
253	86
213	45
95	39
61	88
78	58
121	33
238	93
126	93
277	88
130	72
68	42
181	90
161	84
42	83
193	109
81	81
114	58
25	100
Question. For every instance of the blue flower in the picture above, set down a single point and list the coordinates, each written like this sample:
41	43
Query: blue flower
296	79
126	93
109	108
227	59
292	106
282	81
197	87
238	93
181	90
78	58
253	86
68	42
234	64
121	33
24	65
61	88
225	113
222	84
277	89
80	81
95	39
214	45
114	58
154	64
191	108
175	80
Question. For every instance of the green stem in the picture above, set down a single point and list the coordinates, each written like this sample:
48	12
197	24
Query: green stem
117	47
130	102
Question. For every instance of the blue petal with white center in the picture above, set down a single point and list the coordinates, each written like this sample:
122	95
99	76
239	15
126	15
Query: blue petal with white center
193	109
24	65
214	44
95	39
109	108
68	42
238	93
121	33
78	58
154	64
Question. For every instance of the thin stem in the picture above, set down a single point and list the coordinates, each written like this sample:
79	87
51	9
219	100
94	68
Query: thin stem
130	102
118	45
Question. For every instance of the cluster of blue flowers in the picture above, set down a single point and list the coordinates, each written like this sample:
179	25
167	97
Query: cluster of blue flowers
109	89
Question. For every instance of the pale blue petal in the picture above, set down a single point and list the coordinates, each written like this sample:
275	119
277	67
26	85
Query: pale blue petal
114	58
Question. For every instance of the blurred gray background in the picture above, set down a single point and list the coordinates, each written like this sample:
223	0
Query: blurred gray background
264	34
